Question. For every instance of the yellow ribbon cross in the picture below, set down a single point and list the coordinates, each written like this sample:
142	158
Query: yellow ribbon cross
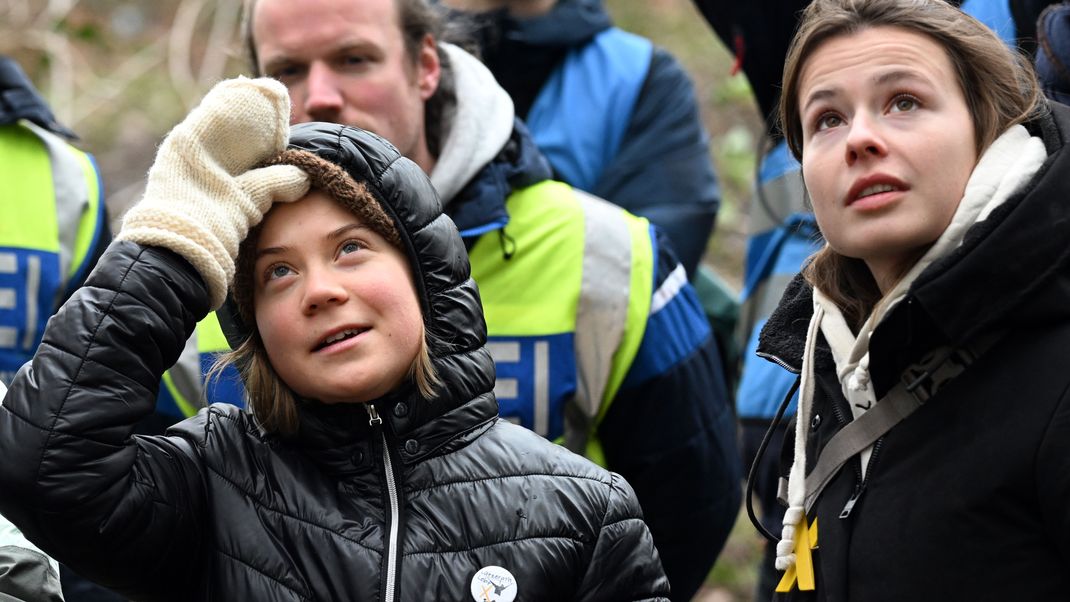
802	572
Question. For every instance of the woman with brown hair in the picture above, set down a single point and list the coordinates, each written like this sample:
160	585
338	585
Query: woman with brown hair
373	465
930	457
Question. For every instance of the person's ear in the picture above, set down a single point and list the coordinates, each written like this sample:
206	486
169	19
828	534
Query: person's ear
428	67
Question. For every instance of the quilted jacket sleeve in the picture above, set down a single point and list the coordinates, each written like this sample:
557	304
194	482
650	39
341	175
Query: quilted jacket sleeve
118	509
625	564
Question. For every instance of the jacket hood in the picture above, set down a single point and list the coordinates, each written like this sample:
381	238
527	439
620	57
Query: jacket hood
448	296
479	207
475	128
486	154
1012	267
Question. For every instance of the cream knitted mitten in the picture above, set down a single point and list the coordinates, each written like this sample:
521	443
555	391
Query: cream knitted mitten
202	197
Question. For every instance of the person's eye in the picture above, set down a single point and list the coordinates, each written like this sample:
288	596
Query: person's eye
286	73
827	121
904	103
350	246
354	61
276	271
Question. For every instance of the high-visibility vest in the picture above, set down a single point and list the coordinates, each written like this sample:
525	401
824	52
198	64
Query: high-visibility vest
784	235
566	301
51	217
566	307
186	388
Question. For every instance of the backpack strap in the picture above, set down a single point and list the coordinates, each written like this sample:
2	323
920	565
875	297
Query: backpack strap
918	384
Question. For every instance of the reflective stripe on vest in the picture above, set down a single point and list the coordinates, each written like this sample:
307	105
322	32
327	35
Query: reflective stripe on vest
78	197
784	236
50	215
565	312
184	393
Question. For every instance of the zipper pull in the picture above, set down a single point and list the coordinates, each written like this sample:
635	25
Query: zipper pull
850	505
373	415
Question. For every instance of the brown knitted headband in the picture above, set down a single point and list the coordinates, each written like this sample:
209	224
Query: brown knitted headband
339	185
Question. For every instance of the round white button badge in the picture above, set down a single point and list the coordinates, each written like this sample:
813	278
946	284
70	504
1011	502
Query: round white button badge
493	584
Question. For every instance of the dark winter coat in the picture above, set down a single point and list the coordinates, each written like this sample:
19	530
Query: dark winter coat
969	497
218	510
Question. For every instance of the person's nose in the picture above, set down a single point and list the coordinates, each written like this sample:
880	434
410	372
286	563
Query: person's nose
864	139
322	289
324	100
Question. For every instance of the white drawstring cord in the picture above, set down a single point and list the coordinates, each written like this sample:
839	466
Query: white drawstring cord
785	557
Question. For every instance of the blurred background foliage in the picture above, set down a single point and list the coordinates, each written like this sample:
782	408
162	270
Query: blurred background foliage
122	73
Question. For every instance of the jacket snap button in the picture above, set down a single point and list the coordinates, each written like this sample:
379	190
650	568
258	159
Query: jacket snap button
358	457
412	446
815	422
401	410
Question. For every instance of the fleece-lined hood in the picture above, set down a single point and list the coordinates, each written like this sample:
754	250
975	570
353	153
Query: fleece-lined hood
449	300
475	127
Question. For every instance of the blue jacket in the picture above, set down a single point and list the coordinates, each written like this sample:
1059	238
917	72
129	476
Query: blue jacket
615	115
669	430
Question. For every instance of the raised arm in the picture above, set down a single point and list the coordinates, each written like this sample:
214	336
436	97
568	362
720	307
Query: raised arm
125	510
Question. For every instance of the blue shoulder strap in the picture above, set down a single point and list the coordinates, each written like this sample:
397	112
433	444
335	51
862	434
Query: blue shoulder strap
583	110
996	14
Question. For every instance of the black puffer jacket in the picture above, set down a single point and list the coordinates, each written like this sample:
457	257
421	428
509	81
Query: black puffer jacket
409	509
968	498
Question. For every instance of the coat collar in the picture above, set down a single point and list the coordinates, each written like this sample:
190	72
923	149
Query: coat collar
416	428
480	206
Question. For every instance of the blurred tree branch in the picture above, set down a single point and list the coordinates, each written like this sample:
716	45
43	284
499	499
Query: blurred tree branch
84	67
121	73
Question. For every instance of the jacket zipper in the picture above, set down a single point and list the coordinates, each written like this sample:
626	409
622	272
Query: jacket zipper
776	360
861	487
860	482
394	508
